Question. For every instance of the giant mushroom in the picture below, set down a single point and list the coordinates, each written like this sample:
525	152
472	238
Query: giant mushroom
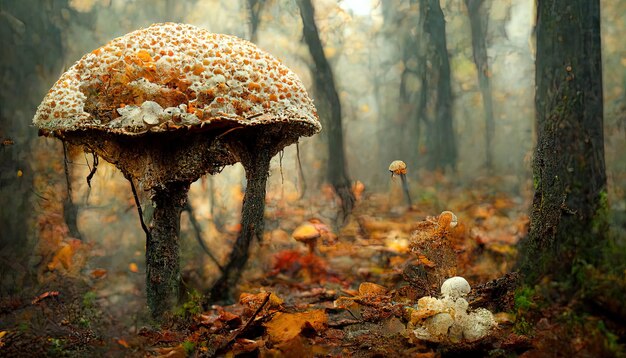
168	104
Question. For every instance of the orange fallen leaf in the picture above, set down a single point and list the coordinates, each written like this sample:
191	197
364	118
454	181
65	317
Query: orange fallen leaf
171	352
133	267
63	257
371	289
425	261
98	273
286	326
122	343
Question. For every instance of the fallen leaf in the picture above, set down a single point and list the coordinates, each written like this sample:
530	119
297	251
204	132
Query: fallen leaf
133	267
286	326
62	258
425	261
371	289
171	352
98	273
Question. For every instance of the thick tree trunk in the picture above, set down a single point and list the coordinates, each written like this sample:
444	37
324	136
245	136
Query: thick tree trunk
162	248
325	87
479	50
252	224
442	143
568	218
27	68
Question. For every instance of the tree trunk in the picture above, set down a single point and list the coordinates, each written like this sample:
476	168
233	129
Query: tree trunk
442	148
254	9
27	70
479	50
325	88
162	248
568	218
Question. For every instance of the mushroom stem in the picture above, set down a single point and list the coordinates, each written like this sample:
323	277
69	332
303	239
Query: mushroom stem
252	224
162	248
405	189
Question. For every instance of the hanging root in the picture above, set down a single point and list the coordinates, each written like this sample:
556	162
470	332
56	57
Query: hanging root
93	170
139	209
252	224
300	173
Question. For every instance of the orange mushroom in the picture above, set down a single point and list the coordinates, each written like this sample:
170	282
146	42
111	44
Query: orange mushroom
307	234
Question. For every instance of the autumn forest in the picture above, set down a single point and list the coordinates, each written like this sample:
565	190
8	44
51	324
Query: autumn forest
304	178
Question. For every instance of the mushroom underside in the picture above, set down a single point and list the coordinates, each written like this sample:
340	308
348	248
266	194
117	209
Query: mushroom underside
165	164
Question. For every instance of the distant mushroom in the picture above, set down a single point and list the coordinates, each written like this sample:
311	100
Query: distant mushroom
168	104
307	234
398	167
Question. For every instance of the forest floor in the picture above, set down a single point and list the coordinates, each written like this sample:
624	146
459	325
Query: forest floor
350	297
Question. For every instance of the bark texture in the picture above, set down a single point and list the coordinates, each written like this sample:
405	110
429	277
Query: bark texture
330	108
568	218
252	224
162	248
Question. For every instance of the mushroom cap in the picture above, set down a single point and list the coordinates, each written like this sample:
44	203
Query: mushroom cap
306	233
455	287
397	167
447	219
170	76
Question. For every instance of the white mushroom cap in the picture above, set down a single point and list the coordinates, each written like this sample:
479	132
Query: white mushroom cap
455	287
216	78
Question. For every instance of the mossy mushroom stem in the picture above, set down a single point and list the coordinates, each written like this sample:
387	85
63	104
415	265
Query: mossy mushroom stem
256	165
162	247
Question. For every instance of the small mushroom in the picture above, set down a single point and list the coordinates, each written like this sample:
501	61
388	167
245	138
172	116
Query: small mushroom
307	234
449	319
398	167
166	106
455	287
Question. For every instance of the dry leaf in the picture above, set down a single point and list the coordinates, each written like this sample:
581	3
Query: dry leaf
63	257
371	289
286	326
133	267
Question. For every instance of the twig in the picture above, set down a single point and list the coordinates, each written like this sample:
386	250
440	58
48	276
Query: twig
251	319
198	232
241	330
139	210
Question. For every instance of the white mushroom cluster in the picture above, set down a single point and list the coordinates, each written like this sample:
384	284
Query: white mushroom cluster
447	319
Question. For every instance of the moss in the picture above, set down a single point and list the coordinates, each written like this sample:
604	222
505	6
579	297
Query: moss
192	307
189	347
524	299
